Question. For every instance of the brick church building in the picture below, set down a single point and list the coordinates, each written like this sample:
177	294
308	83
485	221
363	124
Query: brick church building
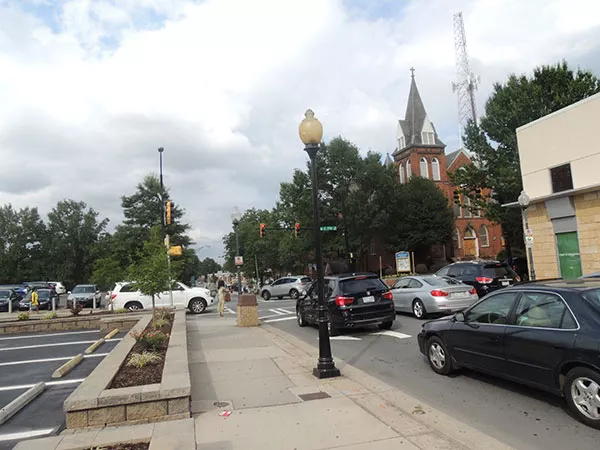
420	152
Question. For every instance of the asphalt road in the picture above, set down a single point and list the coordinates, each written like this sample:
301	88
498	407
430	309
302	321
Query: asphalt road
519	416
27	359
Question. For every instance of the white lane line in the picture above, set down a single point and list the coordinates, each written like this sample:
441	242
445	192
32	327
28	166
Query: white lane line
277	312
48	335
345	338
281	319
268	317
25	434
48	383
394	334
229	310
32	361
285	311
56	344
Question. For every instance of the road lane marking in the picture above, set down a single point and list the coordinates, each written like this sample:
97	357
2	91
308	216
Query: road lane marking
25	434
229	310
345	338
281	319
56	344
48	335
31	361
394	334
285	311
277	312
48	383
268	317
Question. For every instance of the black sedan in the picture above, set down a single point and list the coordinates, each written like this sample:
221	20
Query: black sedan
9	296
45	297
352	300
545	335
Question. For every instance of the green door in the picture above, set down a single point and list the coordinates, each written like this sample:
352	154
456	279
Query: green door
568	255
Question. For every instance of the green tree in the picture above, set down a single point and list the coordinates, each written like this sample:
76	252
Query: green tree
518	101
208	266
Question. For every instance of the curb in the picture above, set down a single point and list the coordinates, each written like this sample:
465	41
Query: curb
111	334
92	348
430	417
20	402
68	366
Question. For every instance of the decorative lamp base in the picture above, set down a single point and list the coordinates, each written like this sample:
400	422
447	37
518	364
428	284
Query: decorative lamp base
326	371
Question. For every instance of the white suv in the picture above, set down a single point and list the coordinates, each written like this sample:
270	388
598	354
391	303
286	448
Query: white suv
195	299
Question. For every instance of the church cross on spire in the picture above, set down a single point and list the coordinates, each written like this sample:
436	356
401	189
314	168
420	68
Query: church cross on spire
412	72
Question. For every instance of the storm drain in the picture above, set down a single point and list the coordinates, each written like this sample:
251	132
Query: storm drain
221	404
314	396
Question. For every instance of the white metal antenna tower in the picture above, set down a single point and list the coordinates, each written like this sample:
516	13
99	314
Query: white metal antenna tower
466	82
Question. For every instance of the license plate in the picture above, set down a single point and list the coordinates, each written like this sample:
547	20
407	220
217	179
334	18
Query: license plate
504	282
460	294
369	299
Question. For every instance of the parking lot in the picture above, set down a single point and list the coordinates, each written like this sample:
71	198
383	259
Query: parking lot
27	359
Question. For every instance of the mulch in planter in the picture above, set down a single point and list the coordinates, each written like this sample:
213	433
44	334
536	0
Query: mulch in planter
138	446
128	376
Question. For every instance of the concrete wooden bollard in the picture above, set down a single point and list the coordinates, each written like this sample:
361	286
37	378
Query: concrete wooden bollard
247	311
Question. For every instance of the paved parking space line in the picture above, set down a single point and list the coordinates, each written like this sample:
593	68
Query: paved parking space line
29	336
66	358
48	383
25	434
281	319
56	344
229	310
394	334
277	312
285	311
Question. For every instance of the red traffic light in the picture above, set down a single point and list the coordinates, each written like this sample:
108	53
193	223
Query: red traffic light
297	229
262	230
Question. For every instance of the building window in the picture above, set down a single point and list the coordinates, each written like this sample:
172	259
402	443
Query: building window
435	169
467	207
428	138
469	233
561	178
401	142
456	238
423	168
408	170
457	209
401	173
484	236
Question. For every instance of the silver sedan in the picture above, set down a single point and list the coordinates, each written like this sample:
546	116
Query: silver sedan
428	294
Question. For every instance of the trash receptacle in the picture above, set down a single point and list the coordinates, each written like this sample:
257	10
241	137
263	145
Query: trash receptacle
247	311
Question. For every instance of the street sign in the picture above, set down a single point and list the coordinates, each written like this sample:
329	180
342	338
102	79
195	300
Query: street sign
529	241
176	250
239	260
402	262
330	228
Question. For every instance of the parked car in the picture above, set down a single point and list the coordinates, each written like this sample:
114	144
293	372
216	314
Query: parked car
9	296
286	286
84	296
20	289
38	284
353	300
423	295
591	275
545	335
45	297
58	287
196	299
484	276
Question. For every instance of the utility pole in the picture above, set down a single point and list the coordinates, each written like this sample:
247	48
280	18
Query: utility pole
162	221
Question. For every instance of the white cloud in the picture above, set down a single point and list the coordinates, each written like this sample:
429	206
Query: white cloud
90	90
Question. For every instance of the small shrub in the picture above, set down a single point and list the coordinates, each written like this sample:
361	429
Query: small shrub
76	309
159	322
120	311
150	339
163	313
140	360
49	316
23	316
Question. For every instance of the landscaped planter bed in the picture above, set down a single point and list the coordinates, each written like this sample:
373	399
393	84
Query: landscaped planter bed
102	321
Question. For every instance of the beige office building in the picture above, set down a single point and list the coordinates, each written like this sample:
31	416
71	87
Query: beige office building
560	166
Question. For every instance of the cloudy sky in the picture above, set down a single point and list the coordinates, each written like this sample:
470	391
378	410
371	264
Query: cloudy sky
89	89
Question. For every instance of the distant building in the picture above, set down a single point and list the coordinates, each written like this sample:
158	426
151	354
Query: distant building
559	165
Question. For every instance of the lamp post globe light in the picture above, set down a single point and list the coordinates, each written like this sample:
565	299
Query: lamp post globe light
524	201
311	133
236	216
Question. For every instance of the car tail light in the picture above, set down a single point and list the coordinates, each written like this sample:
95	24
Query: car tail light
113	296
439	293
518	278
387	295
484	280
343	301
473	291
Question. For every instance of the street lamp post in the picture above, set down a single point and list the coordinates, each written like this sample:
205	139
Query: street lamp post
236	215
311	132
524	203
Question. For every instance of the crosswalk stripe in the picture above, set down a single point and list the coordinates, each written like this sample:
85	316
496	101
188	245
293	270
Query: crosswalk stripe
285	311
276	312
280	319
229	310
394	334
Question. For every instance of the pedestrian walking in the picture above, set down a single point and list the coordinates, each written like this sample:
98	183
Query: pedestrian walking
35	300
223	294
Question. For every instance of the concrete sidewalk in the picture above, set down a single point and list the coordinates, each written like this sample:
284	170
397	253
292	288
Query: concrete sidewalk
263	376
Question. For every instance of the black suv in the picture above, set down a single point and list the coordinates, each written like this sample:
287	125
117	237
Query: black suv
353	300
484	276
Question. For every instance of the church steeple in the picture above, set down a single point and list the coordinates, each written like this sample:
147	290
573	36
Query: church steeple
416	128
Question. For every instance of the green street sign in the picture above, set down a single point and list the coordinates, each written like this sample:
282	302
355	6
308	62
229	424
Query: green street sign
333	228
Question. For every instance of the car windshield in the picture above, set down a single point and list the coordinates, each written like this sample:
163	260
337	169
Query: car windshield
593	297
4	294
43	294
437	281
358	285
83	290
497	271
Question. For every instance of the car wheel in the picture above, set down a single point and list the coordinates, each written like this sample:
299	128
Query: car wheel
438	356
300	318
294	294
386	325
197	306
419	309
266	295
582	393
133	306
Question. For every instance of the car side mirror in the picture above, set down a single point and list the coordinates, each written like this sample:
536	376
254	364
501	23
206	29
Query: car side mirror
460	317
68	292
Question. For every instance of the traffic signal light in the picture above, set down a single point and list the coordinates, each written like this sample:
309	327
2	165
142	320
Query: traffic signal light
169	208
297	229
456	197
478	193
262	230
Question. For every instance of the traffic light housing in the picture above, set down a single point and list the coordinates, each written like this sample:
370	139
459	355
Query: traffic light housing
297	229
456	197
169	208
262	230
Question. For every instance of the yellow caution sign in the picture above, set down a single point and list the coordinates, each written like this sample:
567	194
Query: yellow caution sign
176	250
